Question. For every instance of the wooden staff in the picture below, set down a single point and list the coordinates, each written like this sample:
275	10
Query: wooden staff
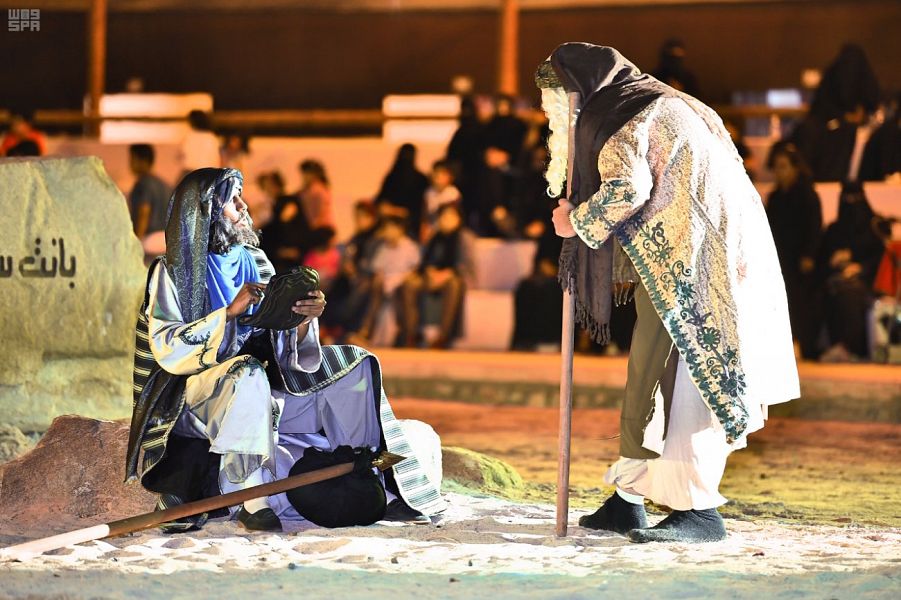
34	548
566	350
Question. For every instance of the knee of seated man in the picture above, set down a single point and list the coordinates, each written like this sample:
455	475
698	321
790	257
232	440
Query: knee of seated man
248	367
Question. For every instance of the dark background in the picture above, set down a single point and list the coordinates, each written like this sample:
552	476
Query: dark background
284	58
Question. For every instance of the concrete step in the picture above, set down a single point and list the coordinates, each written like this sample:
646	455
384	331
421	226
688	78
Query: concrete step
857	392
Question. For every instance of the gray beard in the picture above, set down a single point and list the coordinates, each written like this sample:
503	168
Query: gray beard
225	234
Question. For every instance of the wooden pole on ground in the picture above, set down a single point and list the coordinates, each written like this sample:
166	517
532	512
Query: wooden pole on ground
508	51
566	351
96	62
34	548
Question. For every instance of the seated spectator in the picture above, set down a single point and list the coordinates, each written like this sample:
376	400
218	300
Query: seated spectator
21	130
324	257
849	256
24	148
882	157
395	258
149	198
796	220
350	293
533	205
286	237
832	136
404	188
315	196
466	147
234	151
505	130
199	147
272	187
538	300
489	214
441	192
672	71
444	272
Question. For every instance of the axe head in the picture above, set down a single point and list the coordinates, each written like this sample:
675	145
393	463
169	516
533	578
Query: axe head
386	460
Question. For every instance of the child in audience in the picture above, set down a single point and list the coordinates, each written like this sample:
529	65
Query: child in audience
442	191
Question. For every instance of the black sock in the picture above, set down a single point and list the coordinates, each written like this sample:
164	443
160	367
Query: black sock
616	515
693	526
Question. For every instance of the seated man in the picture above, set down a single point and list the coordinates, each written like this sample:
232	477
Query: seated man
219	406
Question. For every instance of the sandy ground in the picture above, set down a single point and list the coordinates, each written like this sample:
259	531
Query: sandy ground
815	513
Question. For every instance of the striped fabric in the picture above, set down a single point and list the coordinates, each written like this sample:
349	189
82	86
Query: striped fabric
159	399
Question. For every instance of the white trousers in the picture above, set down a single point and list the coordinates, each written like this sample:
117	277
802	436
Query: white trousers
688	472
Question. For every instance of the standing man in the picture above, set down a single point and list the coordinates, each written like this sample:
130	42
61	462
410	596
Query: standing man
150	195
663	211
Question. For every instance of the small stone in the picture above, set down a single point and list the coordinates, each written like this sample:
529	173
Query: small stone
394	560
292	566
470	562
454	580
759	553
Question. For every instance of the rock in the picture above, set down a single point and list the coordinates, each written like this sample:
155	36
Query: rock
67	326
13	443
75	471
472	469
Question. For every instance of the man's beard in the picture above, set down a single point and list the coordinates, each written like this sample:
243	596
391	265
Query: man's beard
555	104
225	234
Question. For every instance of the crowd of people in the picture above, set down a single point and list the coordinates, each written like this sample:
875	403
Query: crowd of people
411	256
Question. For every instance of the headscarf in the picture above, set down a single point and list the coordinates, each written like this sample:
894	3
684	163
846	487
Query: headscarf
847	83
196	201
612	91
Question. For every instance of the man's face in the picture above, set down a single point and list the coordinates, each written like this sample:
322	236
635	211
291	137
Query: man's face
235	210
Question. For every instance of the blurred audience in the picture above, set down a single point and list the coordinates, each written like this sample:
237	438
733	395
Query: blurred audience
350	293
272	187
234	151
882	156
538	301
834	133
23	134
440	193
403	190
849	255
505	130
796	220
324	256
315	195
286	236
395	258
672	71
443	274
199	147
488	213
148	200
465	148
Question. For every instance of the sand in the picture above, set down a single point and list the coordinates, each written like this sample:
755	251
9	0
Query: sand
814	512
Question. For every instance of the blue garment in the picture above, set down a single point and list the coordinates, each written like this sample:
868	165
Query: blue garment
226	274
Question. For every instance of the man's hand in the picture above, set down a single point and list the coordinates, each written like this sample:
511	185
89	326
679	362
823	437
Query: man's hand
312	308
562	225
250	293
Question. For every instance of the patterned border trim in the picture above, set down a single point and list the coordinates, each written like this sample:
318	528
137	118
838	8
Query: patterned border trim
715	368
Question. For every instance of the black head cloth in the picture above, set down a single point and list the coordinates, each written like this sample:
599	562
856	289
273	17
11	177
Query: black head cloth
612	91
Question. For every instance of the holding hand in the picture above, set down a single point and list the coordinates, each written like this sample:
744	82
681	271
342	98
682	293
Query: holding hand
312	308
250	293
562	225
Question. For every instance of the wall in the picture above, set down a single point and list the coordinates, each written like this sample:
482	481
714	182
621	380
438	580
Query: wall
304	58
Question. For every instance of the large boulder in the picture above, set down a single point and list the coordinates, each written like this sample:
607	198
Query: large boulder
475	470
71	275
76	471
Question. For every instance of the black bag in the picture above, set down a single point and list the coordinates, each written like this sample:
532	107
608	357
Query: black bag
282	292
357	498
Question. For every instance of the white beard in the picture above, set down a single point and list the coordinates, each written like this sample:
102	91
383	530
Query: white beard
555	104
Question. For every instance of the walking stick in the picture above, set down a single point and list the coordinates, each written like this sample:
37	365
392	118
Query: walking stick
29	550
566	350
